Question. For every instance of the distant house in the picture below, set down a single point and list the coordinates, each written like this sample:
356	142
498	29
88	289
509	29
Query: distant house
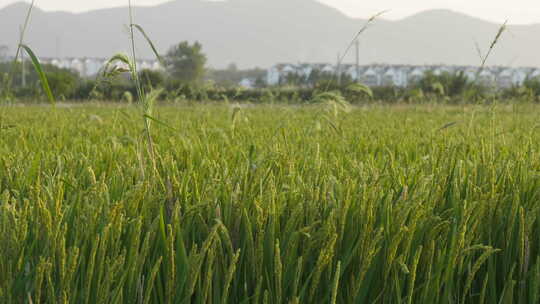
65	63
394	77
440	70
415	75
470	73
77	66
305	70
505	78
401	75
93	66
534	75
55	62
520	75
288	69
145	65
388	78
486	78
87	67
273	75
328	69
247	83
370	77
352	71
279	72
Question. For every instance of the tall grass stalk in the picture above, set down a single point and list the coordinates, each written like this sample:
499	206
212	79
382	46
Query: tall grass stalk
492	45
146	99
24	27
140	90
356	36
335	98
21	47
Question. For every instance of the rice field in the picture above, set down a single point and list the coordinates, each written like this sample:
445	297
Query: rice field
270	204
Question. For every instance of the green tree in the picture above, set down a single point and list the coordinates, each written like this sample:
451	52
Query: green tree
318	78
63	82
532	84
151	79
186	62
449	84
232	75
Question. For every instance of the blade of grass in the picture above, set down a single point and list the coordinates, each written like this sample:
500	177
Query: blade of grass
41	74
21	42
152	46
351	44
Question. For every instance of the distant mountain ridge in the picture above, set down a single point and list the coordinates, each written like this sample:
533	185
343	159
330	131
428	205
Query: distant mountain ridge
262	33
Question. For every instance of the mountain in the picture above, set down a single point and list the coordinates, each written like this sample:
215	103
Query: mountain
262	33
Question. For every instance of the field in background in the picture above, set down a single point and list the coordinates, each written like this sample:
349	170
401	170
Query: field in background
270	204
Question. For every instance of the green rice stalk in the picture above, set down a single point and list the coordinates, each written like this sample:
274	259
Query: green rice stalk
335	285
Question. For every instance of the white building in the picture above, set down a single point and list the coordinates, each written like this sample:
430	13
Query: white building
415	75
535	74
273	76
305	70
395	76
506	78
371	77
88	67
92	66
352	71
399	75
247	83
486	78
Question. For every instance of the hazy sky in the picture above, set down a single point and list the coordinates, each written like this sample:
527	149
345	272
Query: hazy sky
516	11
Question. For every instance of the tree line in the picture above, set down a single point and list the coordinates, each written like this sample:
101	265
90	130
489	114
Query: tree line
186	77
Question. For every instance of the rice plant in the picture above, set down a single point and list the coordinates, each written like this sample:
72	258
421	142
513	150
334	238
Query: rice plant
414	204
121	63
403	206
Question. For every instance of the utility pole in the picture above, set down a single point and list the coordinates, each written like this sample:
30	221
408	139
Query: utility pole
23	70
357	44
338	70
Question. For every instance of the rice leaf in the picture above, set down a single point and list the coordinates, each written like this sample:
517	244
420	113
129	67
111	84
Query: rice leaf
152	46
41	74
